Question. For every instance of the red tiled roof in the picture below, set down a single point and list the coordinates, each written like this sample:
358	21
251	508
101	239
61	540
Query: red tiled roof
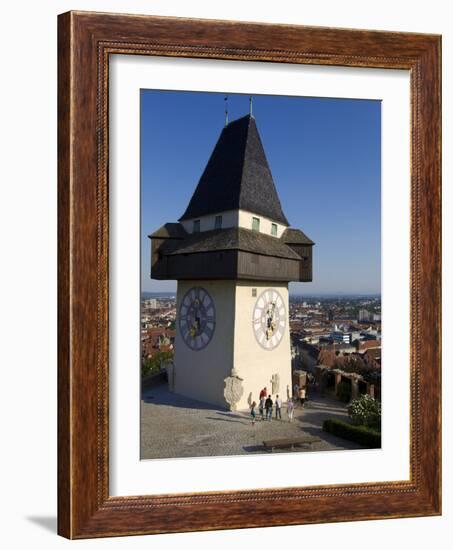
370	344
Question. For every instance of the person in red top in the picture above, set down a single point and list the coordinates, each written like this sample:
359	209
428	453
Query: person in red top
263	393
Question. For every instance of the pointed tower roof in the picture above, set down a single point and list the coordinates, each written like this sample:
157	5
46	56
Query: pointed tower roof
237	176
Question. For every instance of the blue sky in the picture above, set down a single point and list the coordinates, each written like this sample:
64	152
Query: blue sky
325	158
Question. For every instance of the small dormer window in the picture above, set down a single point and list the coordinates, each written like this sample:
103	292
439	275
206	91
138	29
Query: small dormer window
218	222
274	229
255	224
196	226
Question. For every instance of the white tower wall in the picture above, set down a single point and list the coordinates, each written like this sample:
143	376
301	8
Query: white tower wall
252	362
201	374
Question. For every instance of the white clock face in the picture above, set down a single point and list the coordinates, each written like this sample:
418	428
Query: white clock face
197	318
269	319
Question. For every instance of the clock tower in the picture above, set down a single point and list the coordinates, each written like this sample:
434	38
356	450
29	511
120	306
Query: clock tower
233	255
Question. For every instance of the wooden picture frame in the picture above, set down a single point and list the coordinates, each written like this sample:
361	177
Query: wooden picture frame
85	41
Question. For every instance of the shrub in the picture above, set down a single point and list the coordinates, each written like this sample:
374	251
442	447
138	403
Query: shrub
344	392
155	364
364	435
365	410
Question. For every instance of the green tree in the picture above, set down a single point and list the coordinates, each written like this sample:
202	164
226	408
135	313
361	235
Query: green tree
154	364
366	411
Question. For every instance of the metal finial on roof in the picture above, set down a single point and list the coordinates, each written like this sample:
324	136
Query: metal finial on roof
226	110
251	105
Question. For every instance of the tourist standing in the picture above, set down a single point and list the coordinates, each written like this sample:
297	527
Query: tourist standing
290	410
261	407
302	396
263	393
269	406
278	408
253	412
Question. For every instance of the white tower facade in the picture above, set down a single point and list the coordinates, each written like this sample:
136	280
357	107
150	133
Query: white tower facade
241	340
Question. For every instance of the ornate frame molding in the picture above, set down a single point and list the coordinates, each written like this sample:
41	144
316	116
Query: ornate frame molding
86	40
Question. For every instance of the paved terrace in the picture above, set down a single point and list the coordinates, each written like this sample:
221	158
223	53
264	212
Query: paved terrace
176	426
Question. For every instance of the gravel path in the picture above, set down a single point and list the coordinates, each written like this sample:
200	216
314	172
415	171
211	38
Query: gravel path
176	426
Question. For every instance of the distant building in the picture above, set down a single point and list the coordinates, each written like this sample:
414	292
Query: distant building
315	336
370	344
370	334
341	337
355	335
156	339
364	315
337	347
372	356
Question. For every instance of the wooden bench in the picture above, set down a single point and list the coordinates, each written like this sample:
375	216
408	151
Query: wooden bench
289	443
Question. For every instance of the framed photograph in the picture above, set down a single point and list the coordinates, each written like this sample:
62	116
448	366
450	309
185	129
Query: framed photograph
249	275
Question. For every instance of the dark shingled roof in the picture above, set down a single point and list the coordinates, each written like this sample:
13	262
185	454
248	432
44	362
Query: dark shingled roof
169	231
232	238
295	236
237	176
